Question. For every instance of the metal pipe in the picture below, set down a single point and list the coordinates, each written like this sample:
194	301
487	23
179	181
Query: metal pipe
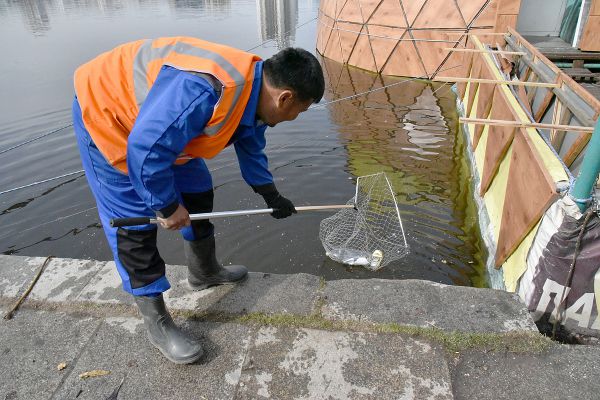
562	64
588	174
132	221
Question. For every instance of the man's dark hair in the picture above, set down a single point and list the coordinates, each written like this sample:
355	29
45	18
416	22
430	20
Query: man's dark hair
298	70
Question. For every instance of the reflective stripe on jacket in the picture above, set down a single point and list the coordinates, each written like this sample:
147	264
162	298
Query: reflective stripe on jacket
112	87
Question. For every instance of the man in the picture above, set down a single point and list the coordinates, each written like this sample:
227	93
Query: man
145	115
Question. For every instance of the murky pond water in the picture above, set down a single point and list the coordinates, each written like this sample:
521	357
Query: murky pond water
408	131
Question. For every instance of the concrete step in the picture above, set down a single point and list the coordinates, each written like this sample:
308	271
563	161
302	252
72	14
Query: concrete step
409	302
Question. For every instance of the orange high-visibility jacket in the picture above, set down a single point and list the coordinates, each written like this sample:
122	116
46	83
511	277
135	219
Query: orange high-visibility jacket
112	87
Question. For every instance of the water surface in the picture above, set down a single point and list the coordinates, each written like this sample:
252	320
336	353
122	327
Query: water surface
409	131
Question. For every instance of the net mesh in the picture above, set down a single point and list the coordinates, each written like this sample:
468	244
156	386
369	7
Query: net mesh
371	234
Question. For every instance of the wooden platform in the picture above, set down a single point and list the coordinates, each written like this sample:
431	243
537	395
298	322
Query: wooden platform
557	49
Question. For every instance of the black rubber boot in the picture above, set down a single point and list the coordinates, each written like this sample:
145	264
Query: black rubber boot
164	334
204	270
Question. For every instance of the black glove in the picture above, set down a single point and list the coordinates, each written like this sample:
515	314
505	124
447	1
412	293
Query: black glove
282	206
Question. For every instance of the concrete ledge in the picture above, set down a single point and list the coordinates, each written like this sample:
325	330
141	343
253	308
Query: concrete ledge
426	304
564	372
279	336
408	302
314	364
32	345
98	282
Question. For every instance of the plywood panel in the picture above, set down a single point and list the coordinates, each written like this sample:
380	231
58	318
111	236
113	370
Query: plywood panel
484	105
461	61
470	8
385	21
351	12
328	8
595	7
454	66
504	21
362	56
487	18
349	34
382	43
484	99
333	49
529	192
412	8
404	61
367	7
590	39
323	34
509	6
388	13
474	87
522	95
498	140
488	36
439	14
432	53
339	5
467	61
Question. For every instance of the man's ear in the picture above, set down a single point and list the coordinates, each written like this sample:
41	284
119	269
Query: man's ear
285	98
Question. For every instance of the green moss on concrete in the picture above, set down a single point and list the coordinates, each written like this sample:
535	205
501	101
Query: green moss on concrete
322	283
514	342
517	342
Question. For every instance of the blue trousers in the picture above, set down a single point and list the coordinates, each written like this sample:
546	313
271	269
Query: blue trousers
140	266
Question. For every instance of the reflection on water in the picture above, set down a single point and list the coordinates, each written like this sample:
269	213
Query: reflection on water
407	131
410	132
37	14
277	21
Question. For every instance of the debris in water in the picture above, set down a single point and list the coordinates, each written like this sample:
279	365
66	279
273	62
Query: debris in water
377	256
61	366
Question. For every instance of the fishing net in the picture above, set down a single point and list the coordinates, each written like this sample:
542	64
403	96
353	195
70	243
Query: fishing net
371	234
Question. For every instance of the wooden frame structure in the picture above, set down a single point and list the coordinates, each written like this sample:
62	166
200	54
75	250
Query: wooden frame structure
568	104
544	111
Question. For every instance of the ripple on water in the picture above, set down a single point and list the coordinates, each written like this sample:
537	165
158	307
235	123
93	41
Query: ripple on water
407	131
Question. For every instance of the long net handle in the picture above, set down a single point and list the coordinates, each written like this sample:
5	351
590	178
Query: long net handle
118	222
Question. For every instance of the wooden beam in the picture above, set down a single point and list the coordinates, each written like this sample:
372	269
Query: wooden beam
560	115
522	95
513	83
541	111
569	128
515	42
576	149
526	73
482	33
518	53
531	92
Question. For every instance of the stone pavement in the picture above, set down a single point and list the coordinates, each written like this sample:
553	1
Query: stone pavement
280	337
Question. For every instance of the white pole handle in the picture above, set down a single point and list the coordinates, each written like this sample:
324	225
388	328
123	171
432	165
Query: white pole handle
116	222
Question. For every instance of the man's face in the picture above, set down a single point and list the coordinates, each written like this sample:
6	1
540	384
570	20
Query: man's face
285	106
